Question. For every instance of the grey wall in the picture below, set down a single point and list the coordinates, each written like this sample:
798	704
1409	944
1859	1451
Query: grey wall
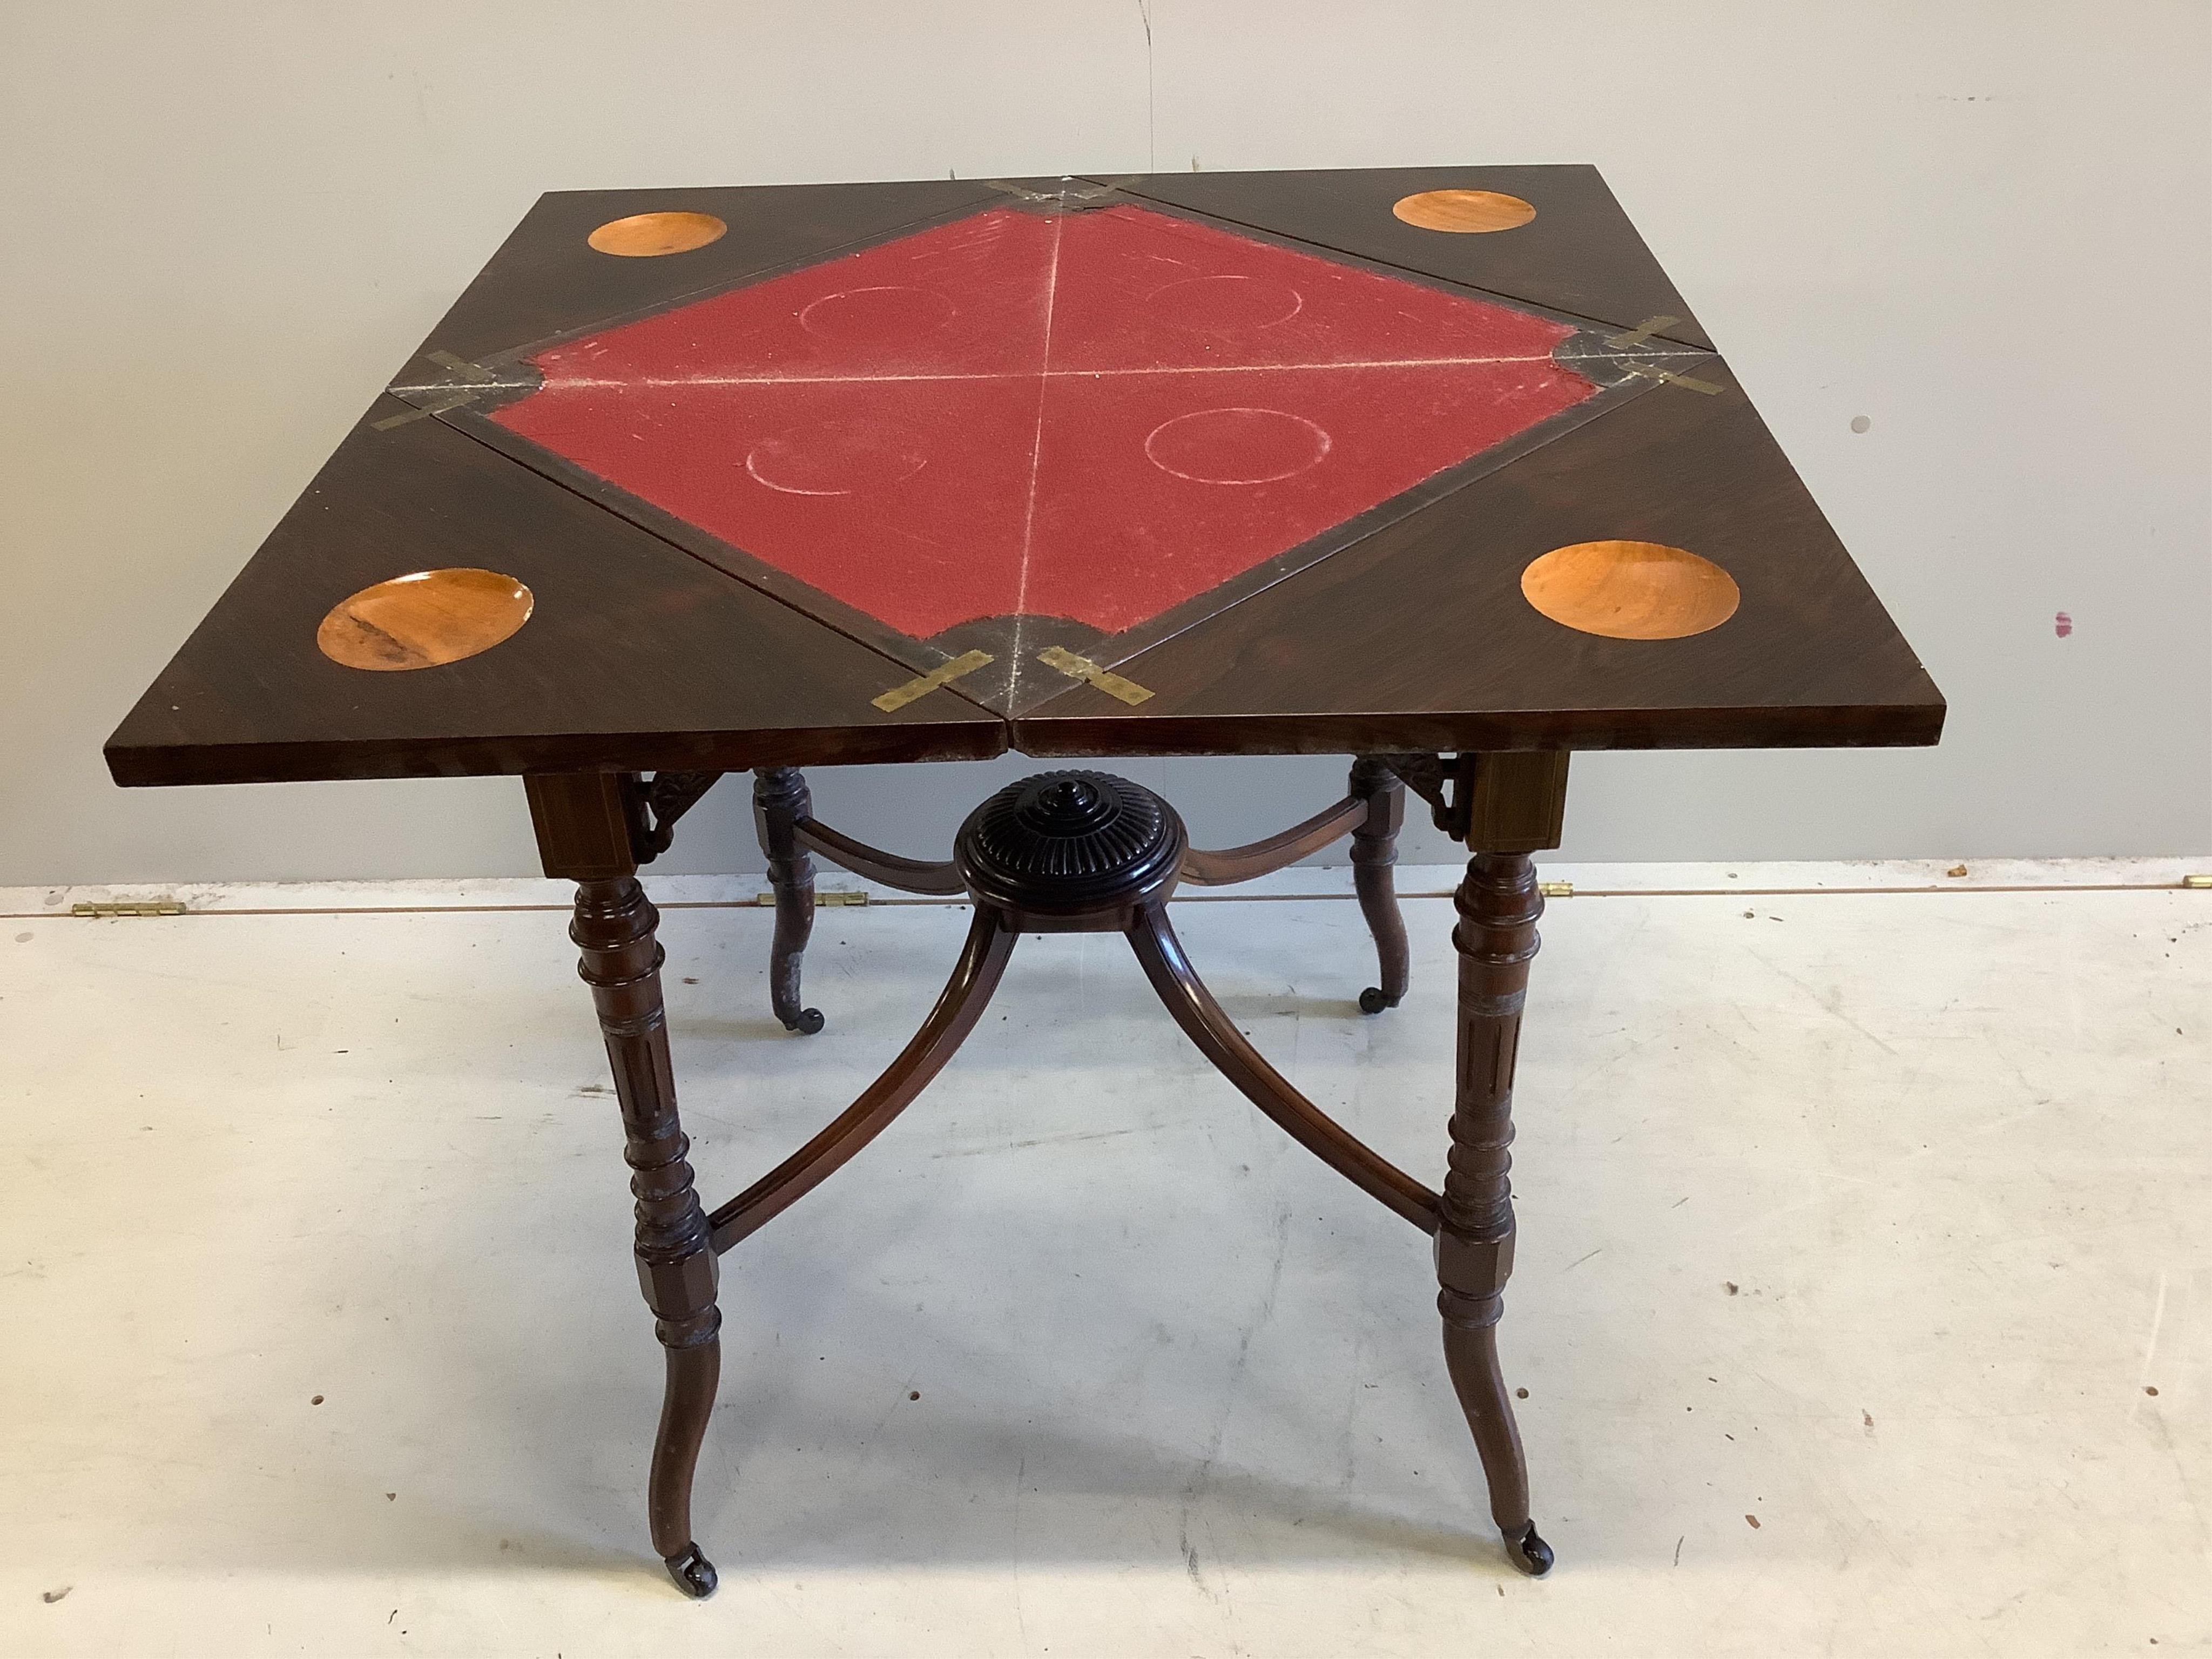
1981	226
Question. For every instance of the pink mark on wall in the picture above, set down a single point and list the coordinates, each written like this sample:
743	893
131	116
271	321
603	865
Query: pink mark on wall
2062	624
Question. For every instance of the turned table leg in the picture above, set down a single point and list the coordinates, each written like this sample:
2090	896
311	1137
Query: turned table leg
676	1262
1374	855
780	801
585	828
1497	905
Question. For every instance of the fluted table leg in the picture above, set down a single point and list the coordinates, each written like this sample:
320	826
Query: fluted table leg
1498	904
614	928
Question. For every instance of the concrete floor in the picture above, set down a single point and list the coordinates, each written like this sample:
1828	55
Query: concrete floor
1864	1301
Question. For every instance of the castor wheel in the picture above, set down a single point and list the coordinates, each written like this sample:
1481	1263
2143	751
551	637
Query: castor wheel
809	1022
694	1573
1527	1553
1372	1000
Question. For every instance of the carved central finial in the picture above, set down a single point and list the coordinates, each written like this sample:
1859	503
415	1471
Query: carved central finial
1068	806
1063	840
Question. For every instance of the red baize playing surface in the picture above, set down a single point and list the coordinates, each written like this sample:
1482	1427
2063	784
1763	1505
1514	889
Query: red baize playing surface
1094	416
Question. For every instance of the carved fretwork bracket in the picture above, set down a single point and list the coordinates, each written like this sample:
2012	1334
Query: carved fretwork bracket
1434	779
653	806
1510	801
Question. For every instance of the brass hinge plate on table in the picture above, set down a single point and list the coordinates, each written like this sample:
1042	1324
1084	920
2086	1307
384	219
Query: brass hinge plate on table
1556	889
768	900
159	907
1642	333
2199	882
1687	382
922	684
1082	668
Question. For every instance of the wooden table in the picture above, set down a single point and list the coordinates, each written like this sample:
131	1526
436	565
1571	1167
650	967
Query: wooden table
1431	467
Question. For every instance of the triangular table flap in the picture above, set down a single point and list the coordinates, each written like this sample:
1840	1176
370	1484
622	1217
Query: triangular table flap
1139	289
547	280
630	653
1578	254
1422	636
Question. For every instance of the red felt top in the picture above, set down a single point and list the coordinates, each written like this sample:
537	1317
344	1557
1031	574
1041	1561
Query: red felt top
1094	416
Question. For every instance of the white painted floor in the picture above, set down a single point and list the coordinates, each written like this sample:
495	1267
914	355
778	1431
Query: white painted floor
1864	1301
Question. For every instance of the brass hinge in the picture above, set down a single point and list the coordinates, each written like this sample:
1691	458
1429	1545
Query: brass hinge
2197	881
159	907
1556	889
768	899
1082	668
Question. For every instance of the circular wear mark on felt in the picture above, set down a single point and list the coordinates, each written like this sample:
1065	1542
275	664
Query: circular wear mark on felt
836	457
878	316
649	235
1220	304
1630	590
424	620
1235	445
1464	210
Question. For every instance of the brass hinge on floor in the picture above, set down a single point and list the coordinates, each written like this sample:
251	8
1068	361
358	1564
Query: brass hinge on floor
820	899
159	907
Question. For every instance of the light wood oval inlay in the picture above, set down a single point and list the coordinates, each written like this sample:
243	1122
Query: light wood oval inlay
1464	210
423	620
648	236
1630	590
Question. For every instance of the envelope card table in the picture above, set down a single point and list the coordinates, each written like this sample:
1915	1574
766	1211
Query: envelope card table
1429	467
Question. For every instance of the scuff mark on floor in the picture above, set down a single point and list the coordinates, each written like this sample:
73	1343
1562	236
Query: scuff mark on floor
1833	1003
2150	1342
